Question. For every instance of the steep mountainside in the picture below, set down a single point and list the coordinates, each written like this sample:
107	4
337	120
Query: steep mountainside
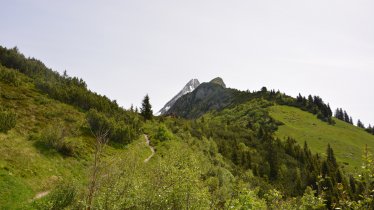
206	97
189	87
218	81
27	164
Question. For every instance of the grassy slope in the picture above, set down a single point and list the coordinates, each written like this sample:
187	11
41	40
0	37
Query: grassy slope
26	166
346	140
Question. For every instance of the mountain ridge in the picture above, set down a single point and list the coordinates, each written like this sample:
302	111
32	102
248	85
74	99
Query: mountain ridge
189	87
253	138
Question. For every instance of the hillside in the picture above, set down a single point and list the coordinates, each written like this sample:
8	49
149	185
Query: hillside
66	147
348	141
206	97
36	174
27	166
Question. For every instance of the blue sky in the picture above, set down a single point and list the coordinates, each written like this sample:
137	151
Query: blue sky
125	49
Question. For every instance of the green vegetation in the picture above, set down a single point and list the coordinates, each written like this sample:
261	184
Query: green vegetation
65	147
146	109
347	140
7	120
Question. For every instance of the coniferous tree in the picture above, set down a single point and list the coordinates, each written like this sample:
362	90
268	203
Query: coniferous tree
331	157
310	102
352	184
273	161
370	129
360	124
146	110
299	99
346	117
339	114
329	110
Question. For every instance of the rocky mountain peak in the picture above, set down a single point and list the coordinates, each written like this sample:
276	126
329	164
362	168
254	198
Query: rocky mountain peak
218	81
189	87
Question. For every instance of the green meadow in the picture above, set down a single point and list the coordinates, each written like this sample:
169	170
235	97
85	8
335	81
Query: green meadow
347	141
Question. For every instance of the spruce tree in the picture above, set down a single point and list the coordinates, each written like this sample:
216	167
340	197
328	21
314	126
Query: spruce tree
346	117
146	110
330	156
360	124
329	111
337	114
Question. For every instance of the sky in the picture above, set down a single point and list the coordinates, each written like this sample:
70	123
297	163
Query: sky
128	48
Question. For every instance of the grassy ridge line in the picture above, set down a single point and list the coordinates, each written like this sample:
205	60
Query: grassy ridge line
347	141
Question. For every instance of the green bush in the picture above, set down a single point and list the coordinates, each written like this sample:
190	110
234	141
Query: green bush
8	76
63	196
55	137
118	130
7	120
98	122
163	134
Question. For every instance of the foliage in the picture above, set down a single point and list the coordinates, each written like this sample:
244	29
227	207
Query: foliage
310	201
360	124
170	182
162	133
146	109
63	196
366	180
7	120
343	116
70	90
370	129
232	156
315	105
55	136
118	130
9	76
247	199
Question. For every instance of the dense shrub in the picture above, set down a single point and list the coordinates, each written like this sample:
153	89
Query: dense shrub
98	122
7	120
64	195
55	137
163	134
8	76
116	128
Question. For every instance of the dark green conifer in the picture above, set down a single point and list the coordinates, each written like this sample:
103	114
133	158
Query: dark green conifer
146	110
360	124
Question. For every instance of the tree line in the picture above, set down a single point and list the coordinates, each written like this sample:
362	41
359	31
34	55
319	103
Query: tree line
343	115
72	90
311	104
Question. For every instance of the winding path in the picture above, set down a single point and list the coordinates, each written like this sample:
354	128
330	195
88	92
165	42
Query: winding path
40	195
150	147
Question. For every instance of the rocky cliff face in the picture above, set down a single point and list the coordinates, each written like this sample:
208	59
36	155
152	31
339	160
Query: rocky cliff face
218	81
208	96
189	87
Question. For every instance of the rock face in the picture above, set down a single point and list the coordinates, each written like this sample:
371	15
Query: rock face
189	87
208	96
218	81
